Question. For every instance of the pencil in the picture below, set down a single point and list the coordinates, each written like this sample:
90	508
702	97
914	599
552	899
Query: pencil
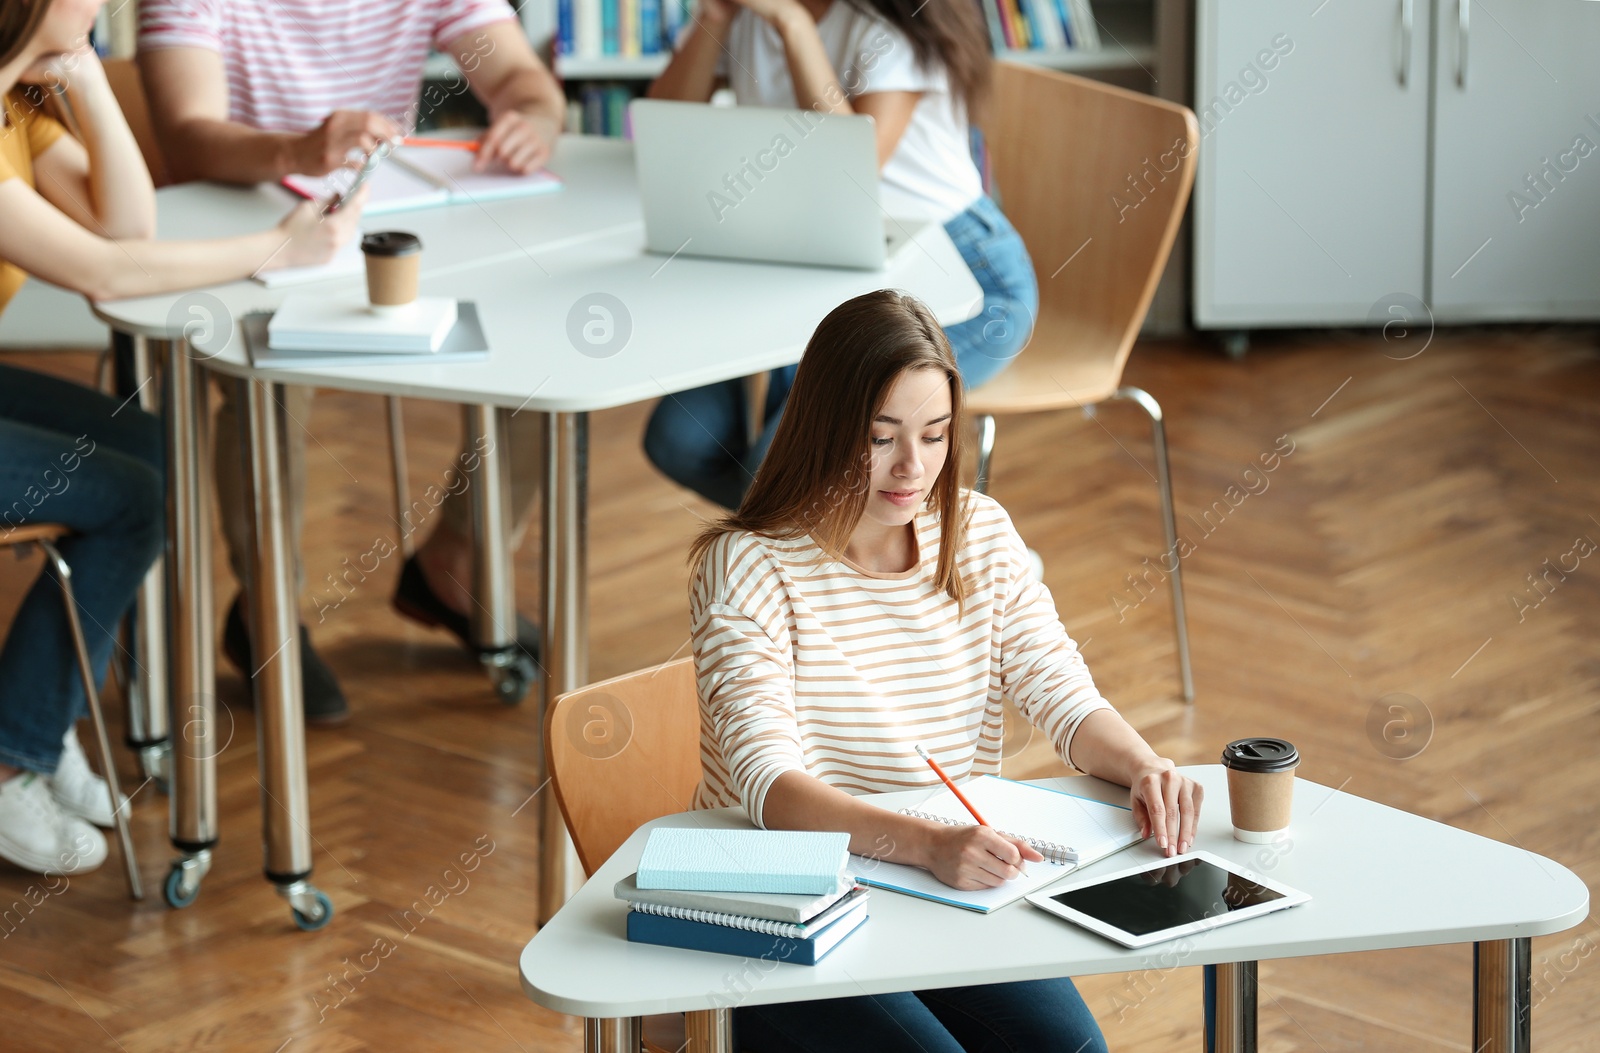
953	787
444	144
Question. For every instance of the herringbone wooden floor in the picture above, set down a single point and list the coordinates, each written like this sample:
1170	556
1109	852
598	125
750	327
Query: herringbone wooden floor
1387	553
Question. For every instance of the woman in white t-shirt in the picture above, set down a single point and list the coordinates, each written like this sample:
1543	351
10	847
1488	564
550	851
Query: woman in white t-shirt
918	68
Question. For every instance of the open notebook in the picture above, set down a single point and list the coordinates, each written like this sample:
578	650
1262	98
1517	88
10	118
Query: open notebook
424	176
1069	831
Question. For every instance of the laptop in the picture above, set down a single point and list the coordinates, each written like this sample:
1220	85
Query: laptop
752	183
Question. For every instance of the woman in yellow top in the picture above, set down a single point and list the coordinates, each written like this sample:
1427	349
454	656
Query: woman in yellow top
81	214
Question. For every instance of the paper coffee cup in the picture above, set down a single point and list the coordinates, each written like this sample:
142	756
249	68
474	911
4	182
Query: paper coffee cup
394	264
1260	787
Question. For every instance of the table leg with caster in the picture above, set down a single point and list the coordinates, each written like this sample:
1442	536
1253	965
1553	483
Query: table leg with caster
148	701
494	615
280	713
1502	996
566	628
190	631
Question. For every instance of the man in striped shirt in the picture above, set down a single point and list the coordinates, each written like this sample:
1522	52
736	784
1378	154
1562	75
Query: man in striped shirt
245	91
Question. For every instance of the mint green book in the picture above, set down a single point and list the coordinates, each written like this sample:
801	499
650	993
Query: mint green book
799	862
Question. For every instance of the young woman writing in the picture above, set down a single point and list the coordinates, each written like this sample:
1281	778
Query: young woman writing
918	69
860	602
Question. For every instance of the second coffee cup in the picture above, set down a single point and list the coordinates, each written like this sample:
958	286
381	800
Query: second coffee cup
1260	787
394	266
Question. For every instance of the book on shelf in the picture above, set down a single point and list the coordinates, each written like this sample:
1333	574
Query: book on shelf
724	939
626	28
1041	25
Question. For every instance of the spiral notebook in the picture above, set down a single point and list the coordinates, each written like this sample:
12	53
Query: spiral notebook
1068	830
849	904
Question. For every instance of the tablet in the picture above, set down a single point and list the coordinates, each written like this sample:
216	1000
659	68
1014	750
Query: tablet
1167	899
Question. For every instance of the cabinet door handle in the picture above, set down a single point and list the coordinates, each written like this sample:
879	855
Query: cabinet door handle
1463	22
1406	13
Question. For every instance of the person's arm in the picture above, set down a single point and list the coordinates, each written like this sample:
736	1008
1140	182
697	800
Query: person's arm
1043	673
526	105
691	75
100	182
41	240
187	88
816	82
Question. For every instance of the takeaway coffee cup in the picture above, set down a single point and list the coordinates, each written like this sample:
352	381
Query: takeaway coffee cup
1260	787
394	262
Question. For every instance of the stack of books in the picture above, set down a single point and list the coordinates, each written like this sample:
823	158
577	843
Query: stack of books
592	28
779	895
1041	25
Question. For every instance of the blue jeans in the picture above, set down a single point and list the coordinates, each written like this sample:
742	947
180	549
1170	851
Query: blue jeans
70	455
699	438
1029	1016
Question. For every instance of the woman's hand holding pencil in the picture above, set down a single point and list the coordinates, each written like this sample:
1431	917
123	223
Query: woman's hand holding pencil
973	857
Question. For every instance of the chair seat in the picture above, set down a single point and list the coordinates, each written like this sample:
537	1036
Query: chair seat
32	532
1059	369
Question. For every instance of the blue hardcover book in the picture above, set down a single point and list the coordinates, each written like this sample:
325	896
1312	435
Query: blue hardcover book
609	42
721	939
1066	23
649	27
802	862
564	40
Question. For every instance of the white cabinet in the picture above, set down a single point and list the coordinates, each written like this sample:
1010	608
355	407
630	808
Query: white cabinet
1358	167
1516	161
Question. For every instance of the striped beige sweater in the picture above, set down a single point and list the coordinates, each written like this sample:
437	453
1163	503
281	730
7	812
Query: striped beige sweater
810	664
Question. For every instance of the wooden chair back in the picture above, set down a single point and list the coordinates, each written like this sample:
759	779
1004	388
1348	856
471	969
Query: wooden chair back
1096	180
123	75
622	752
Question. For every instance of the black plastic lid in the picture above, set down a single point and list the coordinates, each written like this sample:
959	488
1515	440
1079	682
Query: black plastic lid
1260	755
390	243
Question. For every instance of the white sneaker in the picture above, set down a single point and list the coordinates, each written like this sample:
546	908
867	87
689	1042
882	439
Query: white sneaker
36	835
77	789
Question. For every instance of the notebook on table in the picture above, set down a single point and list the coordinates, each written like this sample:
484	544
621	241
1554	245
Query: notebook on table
465	343
743	910
721	939
800	862
1068	830
423	177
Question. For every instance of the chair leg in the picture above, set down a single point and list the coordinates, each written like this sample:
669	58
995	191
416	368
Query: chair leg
1158	435
985	452
119	813
397	464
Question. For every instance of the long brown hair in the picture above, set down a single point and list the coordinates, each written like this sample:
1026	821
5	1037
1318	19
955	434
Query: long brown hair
817	473
19	21
948	33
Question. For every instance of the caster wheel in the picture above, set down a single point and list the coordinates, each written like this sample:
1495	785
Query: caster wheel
176	894
322	914
1235	344
513	680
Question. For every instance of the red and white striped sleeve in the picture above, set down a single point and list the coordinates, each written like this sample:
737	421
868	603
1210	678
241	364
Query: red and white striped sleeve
180	24
459	17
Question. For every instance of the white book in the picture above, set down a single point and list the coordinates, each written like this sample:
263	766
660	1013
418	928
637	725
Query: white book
346	262
344	322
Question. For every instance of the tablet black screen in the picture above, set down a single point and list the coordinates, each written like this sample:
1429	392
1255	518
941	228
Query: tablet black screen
1166	897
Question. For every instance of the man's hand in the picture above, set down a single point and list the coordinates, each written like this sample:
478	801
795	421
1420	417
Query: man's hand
328	146
517	141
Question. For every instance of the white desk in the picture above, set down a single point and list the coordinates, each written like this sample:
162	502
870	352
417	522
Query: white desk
526	263
1379	878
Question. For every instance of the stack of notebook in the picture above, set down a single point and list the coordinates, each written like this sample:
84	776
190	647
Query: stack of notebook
775	894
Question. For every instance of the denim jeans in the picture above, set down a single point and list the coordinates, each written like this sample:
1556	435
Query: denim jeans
699	438
70	455
1028	1016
